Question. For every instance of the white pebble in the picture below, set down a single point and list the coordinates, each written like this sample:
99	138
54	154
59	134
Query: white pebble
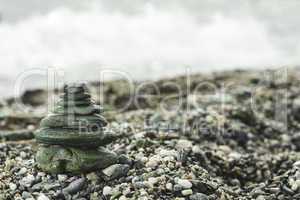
92	177
296	185
184	144
153	161
27	181
196	149
12	186
22	171
152	180
187	192
144	159
235	156
169	158
107	191
23	154
297	164
260	197
126	191
122	198
168	153
42	197
143	198
62	177
169	186
41	174
186	184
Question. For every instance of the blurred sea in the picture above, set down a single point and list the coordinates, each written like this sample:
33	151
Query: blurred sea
145	39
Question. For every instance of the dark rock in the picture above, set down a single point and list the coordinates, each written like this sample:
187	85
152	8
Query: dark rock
34	97
16	135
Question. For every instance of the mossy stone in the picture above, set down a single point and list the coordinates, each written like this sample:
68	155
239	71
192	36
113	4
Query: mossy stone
59	159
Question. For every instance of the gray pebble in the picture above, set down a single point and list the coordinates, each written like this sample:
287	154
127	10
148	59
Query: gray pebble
199	196
22	171
27	181
26	195
49	186
37	187
177	188
115	171
75	186
186	184
42	197
139	185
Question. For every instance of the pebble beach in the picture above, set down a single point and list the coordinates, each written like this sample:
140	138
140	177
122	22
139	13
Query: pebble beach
218	148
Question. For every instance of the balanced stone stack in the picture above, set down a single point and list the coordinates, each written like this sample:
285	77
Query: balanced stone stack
71	138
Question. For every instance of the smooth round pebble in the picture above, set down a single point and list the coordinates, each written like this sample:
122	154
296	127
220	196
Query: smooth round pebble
107	191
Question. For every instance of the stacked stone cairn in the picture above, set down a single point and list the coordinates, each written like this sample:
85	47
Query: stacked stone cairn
71	138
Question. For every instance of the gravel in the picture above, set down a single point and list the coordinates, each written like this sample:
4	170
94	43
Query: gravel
255	157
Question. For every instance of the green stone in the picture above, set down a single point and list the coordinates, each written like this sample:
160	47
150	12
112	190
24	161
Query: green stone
73	121
71	137
77	110
59	159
